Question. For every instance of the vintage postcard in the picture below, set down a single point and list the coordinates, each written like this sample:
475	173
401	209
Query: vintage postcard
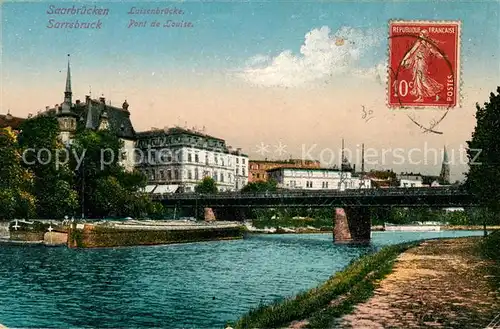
249	164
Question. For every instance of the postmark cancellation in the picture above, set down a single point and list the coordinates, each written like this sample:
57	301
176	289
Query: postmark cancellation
424	64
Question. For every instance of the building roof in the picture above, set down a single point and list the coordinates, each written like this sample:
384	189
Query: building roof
8	120
118	118
162	134
302	168
175	131
289	161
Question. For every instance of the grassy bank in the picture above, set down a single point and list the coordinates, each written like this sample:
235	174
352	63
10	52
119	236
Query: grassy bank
337	296
489	248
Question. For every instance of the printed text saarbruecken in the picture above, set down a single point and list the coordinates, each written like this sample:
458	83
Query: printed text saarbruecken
82	12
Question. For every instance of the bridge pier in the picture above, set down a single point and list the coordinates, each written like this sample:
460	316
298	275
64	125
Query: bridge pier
352	225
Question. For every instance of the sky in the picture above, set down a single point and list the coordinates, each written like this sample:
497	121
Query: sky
270	77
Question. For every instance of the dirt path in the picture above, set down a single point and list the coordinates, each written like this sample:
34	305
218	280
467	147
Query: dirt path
439	284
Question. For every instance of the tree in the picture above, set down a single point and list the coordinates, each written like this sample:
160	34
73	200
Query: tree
207	185
47	157
106	189
16	182
483	178
260	186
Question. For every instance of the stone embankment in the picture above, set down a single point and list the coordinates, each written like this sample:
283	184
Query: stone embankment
439	284
134	233
121	233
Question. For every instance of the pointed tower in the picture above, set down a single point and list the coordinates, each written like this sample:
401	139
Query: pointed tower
444	176
65	115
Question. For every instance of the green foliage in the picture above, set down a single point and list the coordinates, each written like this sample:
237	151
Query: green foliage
108	189
206	186
260	186
16	183
317	218
483	178
58	181
53	178
490	244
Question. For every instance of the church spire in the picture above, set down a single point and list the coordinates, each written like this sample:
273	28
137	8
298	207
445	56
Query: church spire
444	176
67	91
66	106
68	79
445	155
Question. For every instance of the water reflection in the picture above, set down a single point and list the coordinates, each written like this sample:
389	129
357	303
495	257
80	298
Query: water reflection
176	286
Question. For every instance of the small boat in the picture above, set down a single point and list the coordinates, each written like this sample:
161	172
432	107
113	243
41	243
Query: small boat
418	227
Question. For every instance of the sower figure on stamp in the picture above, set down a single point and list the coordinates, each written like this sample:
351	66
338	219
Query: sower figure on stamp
417	60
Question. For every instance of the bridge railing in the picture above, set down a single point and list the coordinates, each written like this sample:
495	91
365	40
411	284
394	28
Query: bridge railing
412	191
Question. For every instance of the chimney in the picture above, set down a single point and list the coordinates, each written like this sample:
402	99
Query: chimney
77	101
102	100
47	108
87	98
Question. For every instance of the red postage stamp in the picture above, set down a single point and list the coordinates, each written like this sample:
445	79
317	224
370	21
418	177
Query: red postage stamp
424	64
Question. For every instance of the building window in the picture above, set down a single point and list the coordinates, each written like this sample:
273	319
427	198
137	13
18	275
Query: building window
222	161
221	177
162	175
214	176
216	159
169	175
243	161
196	158
206	159
189	157
237	170
196	174
326	184
229	177
237	160
176	174
152	175
243	171
258	175
190	174
124	155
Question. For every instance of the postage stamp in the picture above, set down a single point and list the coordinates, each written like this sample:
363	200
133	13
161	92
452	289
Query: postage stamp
424	64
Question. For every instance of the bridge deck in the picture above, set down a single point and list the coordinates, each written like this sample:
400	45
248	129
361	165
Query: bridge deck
402	197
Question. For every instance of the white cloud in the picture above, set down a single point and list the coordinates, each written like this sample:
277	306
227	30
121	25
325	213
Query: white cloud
322	55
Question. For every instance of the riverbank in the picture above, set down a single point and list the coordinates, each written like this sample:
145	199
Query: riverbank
136	233
438	283
376	228
119	233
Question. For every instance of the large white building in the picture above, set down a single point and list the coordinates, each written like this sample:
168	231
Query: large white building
316	179
177	159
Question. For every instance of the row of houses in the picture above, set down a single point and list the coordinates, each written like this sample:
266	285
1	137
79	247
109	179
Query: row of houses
177	159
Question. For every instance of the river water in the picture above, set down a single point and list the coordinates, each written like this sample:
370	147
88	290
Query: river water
199	285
